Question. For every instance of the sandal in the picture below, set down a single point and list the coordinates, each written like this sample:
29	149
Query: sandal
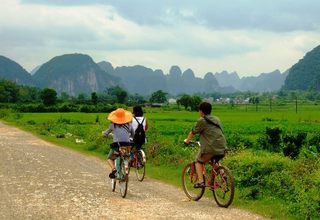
199	185
112	175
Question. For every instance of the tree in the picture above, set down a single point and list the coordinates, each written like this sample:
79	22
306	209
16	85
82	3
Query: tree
185	101
136	99
29	94
9	91
196	100
48	96
81	98
94	98
64	96
119	93
158	97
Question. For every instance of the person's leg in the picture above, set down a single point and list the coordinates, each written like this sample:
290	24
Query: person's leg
111	164
111	158
199	169
201	160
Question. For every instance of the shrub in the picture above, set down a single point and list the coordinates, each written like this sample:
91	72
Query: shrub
4	112
67	107
31	122
87	108
314	140
238	142
60	135
271	140
292	143
304	201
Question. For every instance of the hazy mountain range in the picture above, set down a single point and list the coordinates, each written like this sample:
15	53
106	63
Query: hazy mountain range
78	73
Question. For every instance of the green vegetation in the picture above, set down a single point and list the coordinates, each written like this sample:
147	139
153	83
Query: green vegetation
274	155
305	74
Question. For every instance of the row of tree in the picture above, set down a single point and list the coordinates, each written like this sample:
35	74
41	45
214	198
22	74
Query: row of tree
10	92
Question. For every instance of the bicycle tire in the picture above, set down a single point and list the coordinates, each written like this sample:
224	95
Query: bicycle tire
140	167
189	178
123	180
223	187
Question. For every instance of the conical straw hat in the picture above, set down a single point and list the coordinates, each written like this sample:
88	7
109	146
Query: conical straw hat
120	116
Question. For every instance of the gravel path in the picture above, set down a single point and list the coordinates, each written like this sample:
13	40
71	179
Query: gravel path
39	180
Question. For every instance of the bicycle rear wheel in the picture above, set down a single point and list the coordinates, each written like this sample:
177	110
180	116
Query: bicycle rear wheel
189	178
123	180
223	187
140	166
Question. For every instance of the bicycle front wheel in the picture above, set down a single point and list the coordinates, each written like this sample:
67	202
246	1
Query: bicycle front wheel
189	178
123	180
223	187
140	166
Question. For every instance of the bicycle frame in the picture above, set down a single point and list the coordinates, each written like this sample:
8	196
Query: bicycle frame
213	173
123	169
124	155
217	178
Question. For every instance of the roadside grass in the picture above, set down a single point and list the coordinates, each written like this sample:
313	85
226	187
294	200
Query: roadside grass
269	207
167	130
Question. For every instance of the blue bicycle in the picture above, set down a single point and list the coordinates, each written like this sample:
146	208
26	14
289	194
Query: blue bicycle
123	169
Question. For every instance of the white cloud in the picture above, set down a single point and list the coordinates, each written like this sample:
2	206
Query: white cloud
206	39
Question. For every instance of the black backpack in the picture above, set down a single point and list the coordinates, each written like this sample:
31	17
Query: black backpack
139	134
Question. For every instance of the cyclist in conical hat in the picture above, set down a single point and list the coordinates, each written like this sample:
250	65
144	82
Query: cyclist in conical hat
122	131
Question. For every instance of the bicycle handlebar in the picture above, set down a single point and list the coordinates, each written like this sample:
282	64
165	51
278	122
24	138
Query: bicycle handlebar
192	143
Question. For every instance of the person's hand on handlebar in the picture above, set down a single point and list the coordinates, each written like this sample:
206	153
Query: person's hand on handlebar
186	141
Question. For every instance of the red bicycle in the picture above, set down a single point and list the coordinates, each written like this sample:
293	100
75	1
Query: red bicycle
217	178
139	163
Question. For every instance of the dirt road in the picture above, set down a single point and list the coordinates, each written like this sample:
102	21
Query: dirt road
39	180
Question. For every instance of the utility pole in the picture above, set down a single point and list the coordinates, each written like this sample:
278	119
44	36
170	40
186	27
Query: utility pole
270	105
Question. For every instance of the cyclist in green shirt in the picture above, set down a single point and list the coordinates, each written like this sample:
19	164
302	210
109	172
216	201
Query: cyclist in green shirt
212	140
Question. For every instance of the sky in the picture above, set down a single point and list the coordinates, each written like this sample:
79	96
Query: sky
249	37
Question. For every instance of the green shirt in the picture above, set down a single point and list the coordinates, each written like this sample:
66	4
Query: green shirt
212	139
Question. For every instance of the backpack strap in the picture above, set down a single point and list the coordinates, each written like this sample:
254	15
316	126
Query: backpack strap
138	121
213	123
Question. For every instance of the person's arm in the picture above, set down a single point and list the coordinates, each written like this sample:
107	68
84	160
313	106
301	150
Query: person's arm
108	131
189	138
195	130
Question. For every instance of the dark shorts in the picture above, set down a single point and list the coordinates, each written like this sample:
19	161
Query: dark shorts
206	157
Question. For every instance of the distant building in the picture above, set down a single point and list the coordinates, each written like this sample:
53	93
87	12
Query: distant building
172	101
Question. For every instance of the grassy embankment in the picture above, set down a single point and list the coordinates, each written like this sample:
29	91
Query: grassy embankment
256	171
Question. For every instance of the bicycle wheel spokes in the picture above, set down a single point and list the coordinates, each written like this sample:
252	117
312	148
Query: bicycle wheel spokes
189	178
123	180
140	167
223	187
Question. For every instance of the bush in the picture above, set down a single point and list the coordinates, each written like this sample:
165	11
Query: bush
67	107
304	201
238	142
292	143
314	140
4	112
87	108
255	168
271	140
60	135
